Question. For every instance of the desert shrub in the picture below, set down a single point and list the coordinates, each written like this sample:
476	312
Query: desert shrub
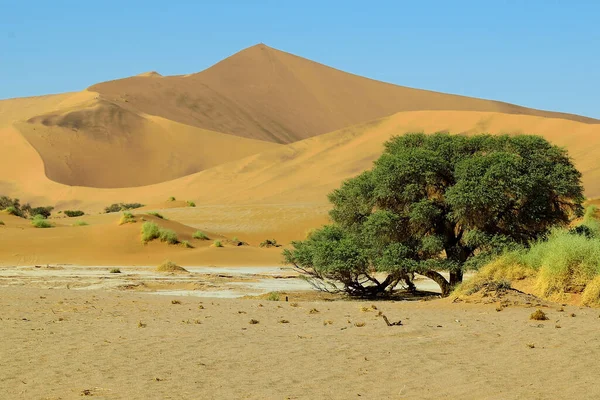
157	215
80	223
168	235
440	202
591	293
74	213
191	203
269	243
200	235
186	244
43	211
218	243
273	296
150	231
115	271
40	222
538	315
12	210
127	218
116	207
172	198
169	266
1	222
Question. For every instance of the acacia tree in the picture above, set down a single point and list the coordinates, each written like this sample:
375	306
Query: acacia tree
436	203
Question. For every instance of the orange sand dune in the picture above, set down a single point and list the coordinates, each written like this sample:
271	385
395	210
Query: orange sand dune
104	242
267	94
101	144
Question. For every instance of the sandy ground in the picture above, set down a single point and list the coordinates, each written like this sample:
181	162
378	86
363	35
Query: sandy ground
65	344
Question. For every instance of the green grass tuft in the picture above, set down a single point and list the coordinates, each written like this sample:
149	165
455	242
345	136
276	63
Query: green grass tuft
186	244
200	235
150	231
168	235
40	222
80	223
218	243
127	218
191	203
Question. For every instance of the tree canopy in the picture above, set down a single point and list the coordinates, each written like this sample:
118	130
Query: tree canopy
440	202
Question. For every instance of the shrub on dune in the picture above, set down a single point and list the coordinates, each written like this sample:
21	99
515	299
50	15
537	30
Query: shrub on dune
218	243
150	231
127	218
80	223
186	244
157	215
12	210
200	236
191	204
169	236
76	213
1	222
40	222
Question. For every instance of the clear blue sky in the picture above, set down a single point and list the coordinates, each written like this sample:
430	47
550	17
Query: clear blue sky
538	53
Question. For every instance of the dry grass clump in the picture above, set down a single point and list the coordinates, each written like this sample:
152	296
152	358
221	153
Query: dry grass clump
186	244
538	315
591	293
115	271
169	266
496	275
254	321
273	296
269	243
127	218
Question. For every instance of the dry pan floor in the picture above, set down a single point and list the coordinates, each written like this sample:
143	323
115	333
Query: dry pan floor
65	344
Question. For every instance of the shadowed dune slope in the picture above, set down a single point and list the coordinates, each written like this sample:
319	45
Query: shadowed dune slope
103	145
267	94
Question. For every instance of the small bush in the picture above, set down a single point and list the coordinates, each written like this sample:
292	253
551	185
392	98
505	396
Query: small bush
538	315
150	231
200	235
273	296
157	215
1	222
169	266
80	223
115	271
269	243
186	244
218	243
172	198
127	218
191	204
175	302
235	239
12	210
169	236
76	213
116	207
43	211
40	222
254	321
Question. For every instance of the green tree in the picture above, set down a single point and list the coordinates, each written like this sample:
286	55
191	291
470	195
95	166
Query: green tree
439	203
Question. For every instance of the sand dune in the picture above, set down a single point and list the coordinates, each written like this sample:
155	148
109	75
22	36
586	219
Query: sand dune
267	94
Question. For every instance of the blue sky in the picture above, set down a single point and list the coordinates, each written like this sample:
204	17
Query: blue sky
541	54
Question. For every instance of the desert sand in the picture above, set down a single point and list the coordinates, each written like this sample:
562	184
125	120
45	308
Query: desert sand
67	344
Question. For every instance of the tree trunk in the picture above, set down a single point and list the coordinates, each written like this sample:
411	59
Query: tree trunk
439	279
456	277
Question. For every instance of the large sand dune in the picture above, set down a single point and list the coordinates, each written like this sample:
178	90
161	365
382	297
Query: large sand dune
267	94
146	138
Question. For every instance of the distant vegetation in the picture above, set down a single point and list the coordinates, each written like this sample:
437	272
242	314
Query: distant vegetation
80	223
14	207
200	235
269	243
74	213
191	204
172	198
151	231
116	207
115	271
39	221
218	243
127	218
444	203
157	215
186	244
1	222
